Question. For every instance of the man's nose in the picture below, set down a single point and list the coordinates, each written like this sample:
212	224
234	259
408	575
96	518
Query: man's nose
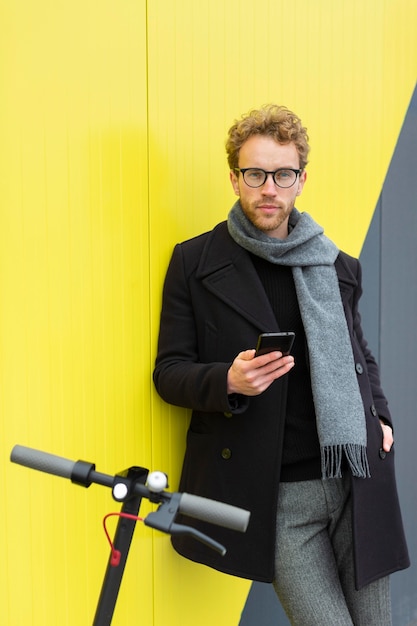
269	187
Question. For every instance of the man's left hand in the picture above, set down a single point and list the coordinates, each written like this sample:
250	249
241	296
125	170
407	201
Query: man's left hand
388	438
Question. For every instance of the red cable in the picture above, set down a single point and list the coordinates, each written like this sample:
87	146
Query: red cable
115	554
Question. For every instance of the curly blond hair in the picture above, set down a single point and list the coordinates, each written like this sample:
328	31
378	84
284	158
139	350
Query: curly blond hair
271	120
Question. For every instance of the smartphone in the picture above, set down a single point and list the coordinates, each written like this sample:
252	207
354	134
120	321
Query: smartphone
269	342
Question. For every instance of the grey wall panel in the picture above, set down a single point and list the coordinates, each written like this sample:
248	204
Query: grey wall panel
389	319
263	608
398	339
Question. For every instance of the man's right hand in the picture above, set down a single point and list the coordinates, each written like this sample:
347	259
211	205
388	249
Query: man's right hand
250	375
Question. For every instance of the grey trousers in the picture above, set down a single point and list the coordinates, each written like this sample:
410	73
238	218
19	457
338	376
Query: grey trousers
314	571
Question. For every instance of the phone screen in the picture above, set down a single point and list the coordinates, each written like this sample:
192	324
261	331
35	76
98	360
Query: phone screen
269	342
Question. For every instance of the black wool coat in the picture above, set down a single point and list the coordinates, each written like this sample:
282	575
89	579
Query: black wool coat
214	306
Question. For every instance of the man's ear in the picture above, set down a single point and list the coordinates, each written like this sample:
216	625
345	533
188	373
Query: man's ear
235	182
301	182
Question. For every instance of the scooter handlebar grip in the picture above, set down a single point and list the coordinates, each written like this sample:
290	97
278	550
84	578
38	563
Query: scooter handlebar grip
214	512
42	461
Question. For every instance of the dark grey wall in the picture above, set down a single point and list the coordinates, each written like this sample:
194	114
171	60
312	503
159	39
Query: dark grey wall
389	316
389	311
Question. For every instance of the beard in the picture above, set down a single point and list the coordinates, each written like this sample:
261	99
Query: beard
271	220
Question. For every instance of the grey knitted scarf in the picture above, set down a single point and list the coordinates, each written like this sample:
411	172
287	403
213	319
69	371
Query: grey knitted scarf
337	400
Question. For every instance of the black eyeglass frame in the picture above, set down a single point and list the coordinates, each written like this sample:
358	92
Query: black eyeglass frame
259	169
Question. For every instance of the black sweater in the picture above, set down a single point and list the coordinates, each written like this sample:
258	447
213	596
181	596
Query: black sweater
301	452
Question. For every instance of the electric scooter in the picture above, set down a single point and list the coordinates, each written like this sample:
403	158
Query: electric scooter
129	487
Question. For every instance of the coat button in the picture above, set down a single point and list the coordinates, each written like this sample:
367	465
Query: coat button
226	454
359	368
373	410
382	453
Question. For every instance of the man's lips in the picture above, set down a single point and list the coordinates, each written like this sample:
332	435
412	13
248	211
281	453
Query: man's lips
268	207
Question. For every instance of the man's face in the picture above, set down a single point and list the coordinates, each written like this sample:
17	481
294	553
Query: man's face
269	206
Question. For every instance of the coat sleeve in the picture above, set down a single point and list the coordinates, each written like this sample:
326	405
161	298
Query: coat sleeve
180	376
379	398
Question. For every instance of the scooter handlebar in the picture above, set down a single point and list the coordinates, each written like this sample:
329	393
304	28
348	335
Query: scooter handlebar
214	512
42	461
204	509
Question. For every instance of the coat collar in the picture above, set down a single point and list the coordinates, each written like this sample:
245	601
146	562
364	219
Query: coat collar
347	279
226	270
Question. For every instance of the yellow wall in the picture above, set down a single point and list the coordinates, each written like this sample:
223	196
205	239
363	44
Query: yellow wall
113	116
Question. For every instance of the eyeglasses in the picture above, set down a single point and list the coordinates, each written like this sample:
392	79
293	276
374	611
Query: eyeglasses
255	177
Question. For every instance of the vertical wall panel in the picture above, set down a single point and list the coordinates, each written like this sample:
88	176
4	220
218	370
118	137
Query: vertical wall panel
398	336
74	314
337	64
388	310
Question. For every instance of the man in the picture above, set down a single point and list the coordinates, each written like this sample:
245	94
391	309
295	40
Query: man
302	441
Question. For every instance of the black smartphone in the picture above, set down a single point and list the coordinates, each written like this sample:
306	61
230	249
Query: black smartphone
269	342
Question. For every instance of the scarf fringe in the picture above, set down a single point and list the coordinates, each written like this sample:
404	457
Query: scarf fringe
332	456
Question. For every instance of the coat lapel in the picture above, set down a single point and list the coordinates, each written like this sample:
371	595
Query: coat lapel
227	271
